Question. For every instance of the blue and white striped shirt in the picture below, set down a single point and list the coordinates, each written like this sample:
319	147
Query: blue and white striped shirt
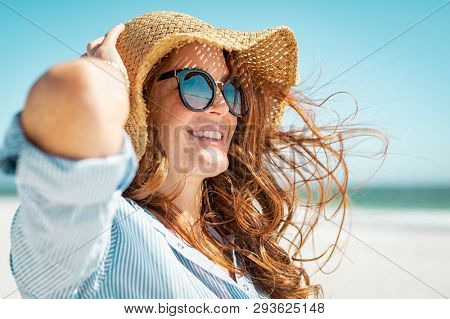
75	236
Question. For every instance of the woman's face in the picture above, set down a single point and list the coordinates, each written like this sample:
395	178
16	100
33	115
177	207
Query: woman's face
197	156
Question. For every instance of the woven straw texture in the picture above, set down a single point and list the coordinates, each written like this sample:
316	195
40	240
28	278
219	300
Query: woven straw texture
269	55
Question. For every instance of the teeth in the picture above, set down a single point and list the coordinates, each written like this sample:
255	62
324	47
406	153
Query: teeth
211	134
198	134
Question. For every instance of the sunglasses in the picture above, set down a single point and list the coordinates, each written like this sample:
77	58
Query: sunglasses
197	90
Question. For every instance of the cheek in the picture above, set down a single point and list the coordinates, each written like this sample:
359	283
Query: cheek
173	127
178	116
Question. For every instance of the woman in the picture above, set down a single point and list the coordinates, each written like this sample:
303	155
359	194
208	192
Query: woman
167	190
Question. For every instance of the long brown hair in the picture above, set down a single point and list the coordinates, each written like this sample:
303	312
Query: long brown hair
249	200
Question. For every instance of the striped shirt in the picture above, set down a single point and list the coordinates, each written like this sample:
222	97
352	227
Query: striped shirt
75	236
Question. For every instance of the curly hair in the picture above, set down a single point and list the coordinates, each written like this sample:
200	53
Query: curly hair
249	200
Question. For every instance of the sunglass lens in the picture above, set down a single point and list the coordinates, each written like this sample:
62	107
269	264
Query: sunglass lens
197	89
233	98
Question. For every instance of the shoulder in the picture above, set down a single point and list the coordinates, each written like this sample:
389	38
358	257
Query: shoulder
133	218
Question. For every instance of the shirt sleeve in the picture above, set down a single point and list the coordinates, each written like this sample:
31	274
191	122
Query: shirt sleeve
61	231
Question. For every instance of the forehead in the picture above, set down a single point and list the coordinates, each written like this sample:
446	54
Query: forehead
199	55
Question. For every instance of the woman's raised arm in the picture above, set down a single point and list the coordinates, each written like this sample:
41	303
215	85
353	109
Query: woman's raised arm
72	159
78	109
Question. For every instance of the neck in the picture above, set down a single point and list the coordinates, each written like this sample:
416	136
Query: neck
188	201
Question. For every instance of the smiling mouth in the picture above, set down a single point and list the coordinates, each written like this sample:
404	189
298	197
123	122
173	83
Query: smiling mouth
208	140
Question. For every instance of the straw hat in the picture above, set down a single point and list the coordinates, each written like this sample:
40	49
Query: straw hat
269	55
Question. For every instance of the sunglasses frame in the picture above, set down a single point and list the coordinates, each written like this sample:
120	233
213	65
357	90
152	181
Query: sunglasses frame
216	84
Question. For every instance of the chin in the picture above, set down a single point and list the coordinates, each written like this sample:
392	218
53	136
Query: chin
212	168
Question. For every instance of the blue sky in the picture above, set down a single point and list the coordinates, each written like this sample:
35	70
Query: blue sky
401	89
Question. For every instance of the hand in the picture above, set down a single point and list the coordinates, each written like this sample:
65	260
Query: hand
104	47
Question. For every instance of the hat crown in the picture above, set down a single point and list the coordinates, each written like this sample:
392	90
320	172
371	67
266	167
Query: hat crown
161	24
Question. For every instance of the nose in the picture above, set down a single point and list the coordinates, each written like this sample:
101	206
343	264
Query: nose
219	105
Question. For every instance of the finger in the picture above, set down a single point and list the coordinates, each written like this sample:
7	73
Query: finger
83	55
93	45
113	34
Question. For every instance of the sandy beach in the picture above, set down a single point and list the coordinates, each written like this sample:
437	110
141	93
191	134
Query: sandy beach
390	254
